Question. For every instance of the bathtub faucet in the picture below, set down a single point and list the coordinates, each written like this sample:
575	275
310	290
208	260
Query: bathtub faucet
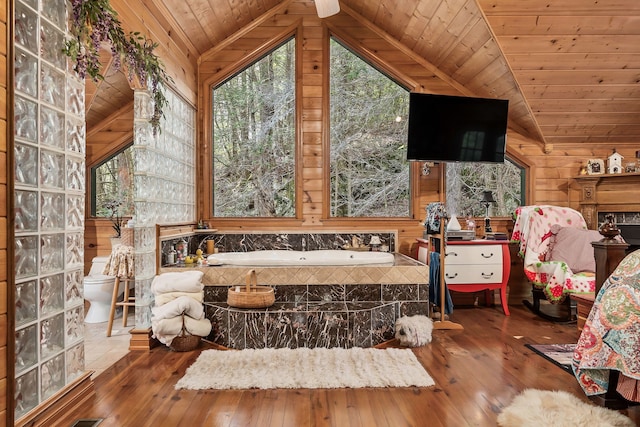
304	244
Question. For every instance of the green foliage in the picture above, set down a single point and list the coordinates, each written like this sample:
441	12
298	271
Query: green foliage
369	171
254	139
113	188
465	182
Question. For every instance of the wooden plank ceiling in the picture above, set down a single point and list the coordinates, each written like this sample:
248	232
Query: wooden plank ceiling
570	68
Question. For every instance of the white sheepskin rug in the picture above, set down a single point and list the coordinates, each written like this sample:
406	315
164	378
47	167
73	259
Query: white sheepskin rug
534	408
414	331
305	368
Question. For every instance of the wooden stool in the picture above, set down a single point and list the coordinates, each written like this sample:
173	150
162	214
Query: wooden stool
121	265
127	301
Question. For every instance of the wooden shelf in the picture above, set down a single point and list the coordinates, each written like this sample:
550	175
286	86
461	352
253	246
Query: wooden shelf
607	175
607	193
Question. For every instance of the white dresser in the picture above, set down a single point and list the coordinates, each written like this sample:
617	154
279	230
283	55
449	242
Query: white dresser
477	265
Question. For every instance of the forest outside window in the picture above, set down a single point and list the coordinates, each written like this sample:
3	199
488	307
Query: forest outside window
112	185
369	173
466	181
253	126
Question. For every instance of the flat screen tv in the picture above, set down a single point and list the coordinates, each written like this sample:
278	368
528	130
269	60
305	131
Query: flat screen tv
445	128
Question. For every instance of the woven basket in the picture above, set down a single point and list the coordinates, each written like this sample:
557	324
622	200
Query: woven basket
184	341
252	295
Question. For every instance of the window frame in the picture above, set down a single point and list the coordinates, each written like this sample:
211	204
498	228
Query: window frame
92	179
296	176
525	173
414	168
204	197
423	188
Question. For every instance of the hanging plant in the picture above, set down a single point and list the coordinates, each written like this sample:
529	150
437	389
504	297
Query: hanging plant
95	24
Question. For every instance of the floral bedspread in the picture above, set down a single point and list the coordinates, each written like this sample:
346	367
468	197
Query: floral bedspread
532	231
611	335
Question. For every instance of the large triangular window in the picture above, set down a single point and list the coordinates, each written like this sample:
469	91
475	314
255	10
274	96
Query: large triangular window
369	111
253	126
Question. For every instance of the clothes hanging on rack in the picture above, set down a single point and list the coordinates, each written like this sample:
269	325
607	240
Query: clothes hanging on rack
434	284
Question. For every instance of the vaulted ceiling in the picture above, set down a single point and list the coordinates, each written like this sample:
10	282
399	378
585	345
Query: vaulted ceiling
570	68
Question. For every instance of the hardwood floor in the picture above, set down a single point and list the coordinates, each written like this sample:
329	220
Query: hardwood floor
477	372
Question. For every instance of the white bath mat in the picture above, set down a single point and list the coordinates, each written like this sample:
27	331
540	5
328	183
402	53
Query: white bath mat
305	368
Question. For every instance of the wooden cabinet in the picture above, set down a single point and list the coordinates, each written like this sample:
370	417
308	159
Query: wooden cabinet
584	303
477	265
608	255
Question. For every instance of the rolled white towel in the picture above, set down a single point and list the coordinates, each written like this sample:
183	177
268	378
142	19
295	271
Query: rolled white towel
166	330
183	281
178	306
199	327
162	299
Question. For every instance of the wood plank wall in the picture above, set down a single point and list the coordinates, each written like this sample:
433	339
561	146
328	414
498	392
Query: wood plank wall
176	52
312	35
549	173
179	58
553	178
109	136
6	296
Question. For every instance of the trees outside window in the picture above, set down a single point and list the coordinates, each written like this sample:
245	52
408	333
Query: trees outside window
466	181
112	181
369	112
253	117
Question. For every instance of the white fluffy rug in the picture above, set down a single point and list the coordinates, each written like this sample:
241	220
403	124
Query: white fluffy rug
305	368
534	408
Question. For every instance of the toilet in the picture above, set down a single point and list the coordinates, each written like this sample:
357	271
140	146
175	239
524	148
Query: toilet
98	290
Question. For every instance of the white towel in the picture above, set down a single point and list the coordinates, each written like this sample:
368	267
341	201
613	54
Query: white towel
184	281
170	296
166	330
178	306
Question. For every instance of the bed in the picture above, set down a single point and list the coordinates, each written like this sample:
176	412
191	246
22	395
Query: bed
610	339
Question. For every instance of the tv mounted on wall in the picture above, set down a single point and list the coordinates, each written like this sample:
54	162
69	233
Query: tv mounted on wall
445	128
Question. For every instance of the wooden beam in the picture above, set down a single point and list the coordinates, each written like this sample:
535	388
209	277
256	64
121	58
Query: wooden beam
112	117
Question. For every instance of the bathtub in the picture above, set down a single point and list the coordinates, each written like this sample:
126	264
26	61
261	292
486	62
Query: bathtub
277	258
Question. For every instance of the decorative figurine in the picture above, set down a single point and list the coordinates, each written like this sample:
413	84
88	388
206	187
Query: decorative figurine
614	163
609	229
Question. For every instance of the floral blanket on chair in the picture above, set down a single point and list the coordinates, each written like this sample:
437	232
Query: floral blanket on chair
532	230
610	339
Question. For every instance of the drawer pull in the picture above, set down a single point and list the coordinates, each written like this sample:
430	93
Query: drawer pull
486	256
451	276
487	276
451	253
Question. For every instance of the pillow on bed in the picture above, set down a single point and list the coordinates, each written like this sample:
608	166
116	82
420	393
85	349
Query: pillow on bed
573	246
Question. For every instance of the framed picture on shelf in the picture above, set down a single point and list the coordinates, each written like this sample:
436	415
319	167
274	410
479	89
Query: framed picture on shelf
595	167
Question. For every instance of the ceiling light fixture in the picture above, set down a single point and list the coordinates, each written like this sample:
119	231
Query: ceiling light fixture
327	8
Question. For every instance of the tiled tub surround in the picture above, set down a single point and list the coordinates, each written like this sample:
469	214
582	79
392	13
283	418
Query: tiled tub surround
316	306
245	242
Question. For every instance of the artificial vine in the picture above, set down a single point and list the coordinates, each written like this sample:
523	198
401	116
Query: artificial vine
94	24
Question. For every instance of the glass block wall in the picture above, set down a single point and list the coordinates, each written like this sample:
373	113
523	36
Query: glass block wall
164	184
49	144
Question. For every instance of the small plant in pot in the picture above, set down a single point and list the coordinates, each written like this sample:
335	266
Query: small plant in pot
113	210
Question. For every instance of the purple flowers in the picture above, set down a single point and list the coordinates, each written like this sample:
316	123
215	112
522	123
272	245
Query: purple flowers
95	25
